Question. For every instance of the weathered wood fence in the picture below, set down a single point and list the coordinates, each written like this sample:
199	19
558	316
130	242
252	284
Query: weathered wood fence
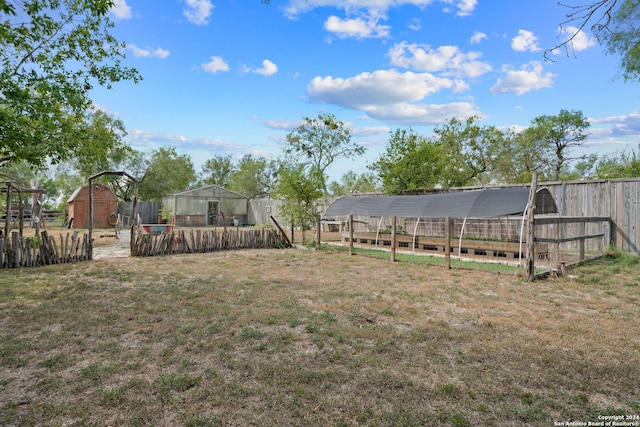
16	251
201	241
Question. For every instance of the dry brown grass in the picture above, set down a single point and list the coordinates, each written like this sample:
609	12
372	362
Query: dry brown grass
293	337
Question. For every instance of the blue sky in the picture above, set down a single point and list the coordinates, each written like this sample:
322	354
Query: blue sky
234	77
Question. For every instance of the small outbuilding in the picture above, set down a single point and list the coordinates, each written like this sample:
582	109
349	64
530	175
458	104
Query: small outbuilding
209	206
105	207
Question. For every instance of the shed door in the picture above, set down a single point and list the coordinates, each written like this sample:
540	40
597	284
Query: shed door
213	207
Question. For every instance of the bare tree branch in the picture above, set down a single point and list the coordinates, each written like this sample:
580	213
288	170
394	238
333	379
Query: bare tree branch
596	16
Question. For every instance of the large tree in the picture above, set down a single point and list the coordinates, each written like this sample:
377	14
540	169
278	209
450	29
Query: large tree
524	155
460	153
558	135
300	186
319	142
217	171
351	183
102	147
470	152
254	176
168	172
410	162
52	54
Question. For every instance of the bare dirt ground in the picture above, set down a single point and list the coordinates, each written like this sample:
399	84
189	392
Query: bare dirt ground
293	337
118	248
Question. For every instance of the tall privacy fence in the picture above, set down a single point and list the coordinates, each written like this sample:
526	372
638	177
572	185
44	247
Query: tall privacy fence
200	241
19	251
558	241
617	200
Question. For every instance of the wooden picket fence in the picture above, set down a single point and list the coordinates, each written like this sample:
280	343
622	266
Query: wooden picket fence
201	241
16	251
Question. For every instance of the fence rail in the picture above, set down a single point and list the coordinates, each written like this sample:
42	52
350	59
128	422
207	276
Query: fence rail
16	251
558	241
202	241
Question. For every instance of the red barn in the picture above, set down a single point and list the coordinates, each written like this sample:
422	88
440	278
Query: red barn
105	203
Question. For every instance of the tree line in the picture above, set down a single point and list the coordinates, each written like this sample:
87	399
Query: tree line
55	51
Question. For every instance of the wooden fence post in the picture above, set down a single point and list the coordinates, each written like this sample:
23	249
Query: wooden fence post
350	234
21	213
90	248
393	238
581	232
531	208
7	220
318	225
134	230
447	242
556	249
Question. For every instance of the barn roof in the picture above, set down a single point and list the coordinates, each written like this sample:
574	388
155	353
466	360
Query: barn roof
213	188
106	191
484	203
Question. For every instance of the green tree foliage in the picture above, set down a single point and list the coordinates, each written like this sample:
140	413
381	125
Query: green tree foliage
411	162
523	156
217	171
619	165
558	135
254	176
300	186
103	147
52	53
616	25
470	153
461	153
319	142
135	163
167	173
622	38
353	183
21	174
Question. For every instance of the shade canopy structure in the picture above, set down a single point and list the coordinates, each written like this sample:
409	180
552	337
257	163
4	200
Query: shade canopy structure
483	203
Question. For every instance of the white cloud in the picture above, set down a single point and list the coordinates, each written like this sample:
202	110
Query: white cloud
141	138
370	131
525	41
529	77
477	37
198	11
268	68
357	28
446	59
389	95
621	125
148	53
216	64
581	41
422	114
297	7
145	139
381	87
120	9
283	124
466	7
415	24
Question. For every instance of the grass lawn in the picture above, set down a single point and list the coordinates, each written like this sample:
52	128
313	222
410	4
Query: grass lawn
306	338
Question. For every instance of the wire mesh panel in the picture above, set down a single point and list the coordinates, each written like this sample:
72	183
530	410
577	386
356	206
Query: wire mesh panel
572	239
558	241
